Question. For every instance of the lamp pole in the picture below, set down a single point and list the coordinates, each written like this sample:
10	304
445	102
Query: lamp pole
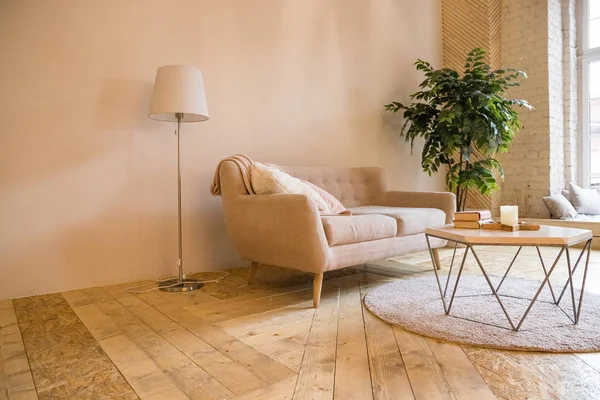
179	116
179	284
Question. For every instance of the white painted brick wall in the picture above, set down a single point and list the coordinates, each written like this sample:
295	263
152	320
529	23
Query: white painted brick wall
569	28
555	93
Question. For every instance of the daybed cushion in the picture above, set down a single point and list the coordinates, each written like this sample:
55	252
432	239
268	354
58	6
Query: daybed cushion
357	228
585	201
559	207
410	221
587	218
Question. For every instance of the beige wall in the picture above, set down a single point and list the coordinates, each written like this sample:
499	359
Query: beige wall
88	183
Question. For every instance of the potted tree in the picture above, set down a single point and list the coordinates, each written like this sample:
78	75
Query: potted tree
457	114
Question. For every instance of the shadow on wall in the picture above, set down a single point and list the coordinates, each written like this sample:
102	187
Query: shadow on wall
111	247
86	202
123	235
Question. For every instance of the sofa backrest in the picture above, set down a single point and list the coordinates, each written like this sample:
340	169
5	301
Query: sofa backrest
352	186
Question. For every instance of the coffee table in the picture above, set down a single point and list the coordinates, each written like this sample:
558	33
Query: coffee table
547	236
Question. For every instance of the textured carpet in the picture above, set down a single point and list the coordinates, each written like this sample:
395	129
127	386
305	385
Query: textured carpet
415	305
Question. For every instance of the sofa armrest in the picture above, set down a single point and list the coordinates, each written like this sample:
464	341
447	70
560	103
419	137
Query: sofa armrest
277	229
444	201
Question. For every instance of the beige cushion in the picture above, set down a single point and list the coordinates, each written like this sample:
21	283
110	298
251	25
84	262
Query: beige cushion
267	179
410	220
360	228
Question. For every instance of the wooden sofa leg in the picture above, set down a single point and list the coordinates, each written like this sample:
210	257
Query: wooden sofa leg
436	256
317	285
252	273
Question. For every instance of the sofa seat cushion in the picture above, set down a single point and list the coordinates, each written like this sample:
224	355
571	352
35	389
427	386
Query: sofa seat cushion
411	221
358	228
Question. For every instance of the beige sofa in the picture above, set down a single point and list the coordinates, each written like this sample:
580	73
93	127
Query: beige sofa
287	230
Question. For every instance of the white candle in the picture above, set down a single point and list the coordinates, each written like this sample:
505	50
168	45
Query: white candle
509	215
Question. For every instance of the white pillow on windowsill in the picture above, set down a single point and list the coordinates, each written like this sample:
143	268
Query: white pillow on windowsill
585	201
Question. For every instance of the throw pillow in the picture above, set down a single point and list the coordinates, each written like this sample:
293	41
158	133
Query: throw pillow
585	201
559	207
335	206
267	179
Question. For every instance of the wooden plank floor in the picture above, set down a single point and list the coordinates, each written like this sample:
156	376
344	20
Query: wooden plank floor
105	342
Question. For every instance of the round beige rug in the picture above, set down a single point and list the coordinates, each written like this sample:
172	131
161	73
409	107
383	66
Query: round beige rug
477	319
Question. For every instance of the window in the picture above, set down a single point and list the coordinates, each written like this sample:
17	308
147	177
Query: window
590	90
593	18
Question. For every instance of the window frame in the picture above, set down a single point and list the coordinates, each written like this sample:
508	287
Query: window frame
585	56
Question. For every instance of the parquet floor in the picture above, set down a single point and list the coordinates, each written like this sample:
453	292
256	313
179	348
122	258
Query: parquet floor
106	343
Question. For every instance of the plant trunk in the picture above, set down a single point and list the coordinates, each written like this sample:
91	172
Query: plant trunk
458	191
461	198
466	190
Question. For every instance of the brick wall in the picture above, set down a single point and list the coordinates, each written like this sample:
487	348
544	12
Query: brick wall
538	36
525	46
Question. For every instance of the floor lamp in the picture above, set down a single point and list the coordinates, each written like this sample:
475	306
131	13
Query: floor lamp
178	96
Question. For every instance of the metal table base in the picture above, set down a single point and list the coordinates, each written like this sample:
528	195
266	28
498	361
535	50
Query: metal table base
495	290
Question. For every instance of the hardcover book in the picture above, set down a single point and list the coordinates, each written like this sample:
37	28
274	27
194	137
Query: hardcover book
473	215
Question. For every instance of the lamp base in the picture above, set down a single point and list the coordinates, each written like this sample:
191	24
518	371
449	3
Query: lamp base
174	285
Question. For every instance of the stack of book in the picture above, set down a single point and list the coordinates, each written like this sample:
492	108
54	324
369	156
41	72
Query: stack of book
472	219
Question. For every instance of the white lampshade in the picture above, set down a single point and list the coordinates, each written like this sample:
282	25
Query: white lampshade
178	90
